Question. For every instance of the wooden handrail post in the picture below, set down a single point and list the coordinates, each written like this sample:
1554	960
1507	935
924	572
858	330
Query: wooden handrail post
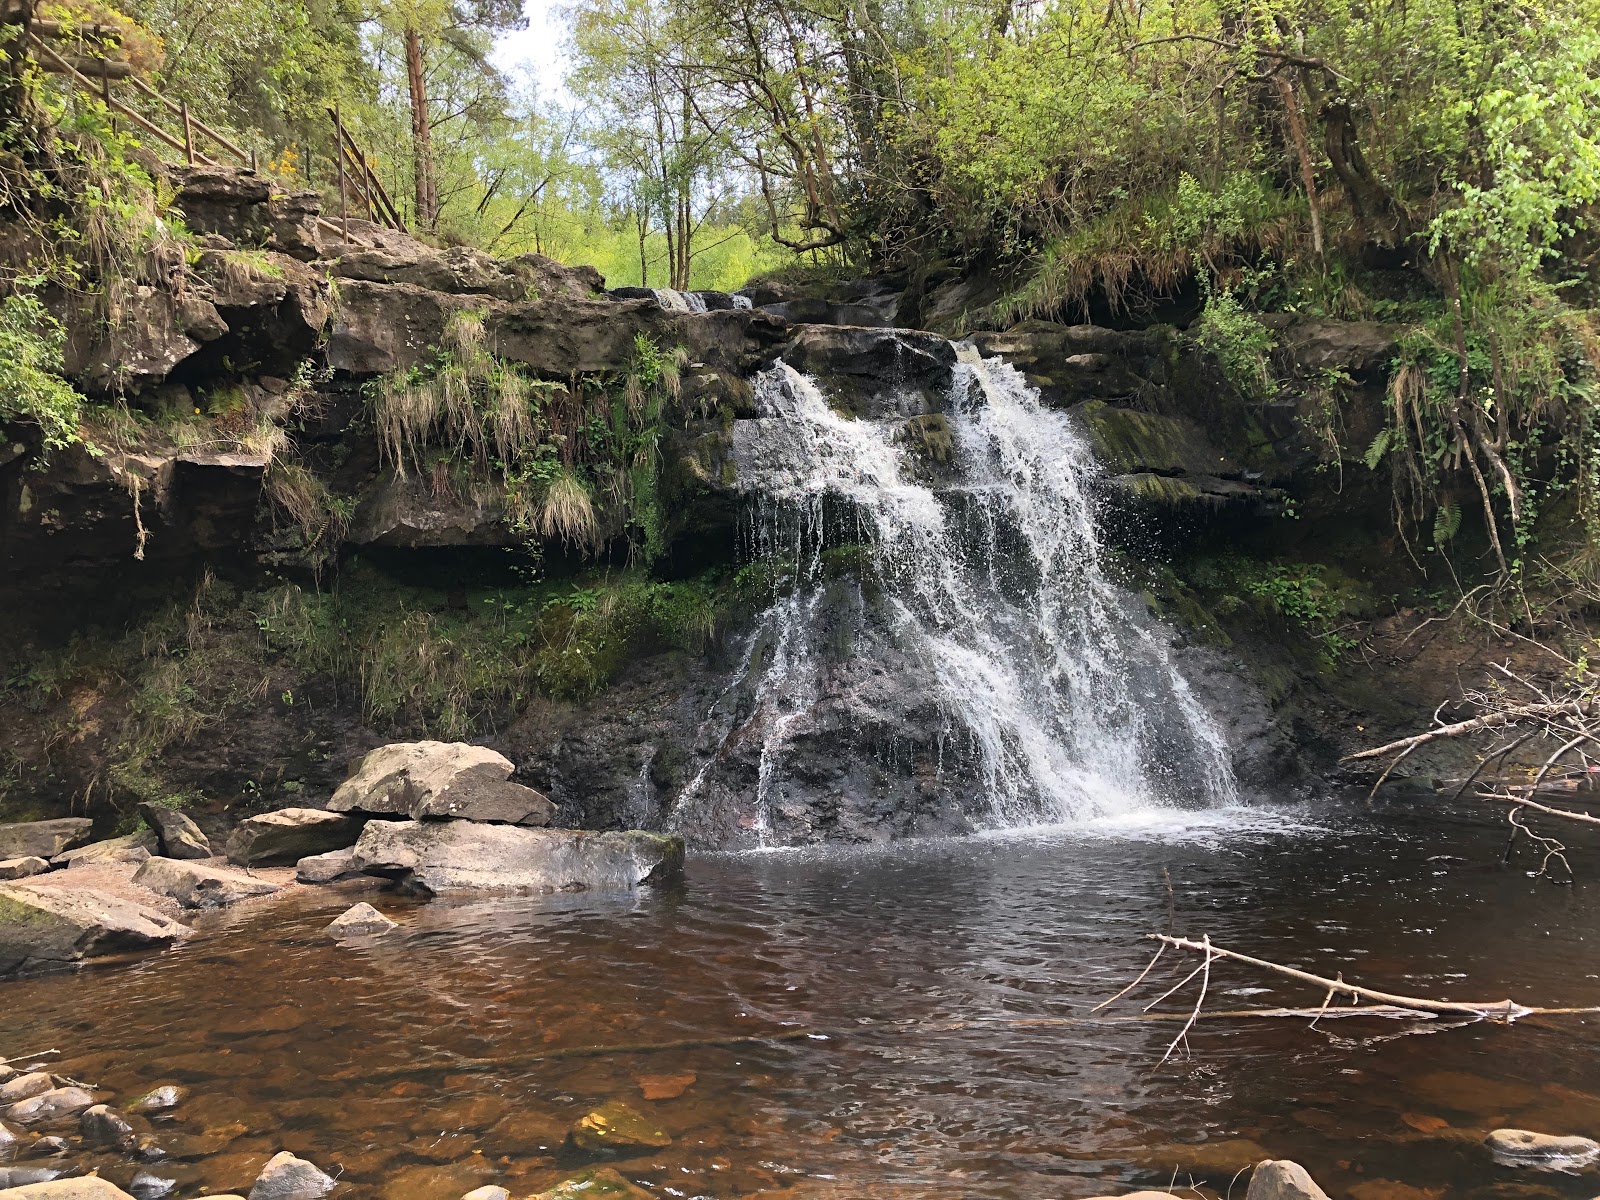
338	131
188	133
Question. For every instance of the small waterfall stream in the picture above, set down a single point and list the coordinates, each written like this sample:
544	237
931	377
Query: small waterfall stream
1056	693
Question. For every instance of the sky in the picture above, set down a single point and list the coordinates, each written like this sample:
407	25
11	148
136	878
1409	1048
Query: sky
536	51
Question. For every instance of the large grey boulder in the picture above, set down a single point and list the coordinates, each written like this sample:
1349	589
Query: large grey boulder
179	836
286	1177
290	834
45	927
50	1106
43	839
361	920
1525	1148
466	856
22	868
1281	1179
194	885
23	1087
325	868
130	848
441	779
102	1125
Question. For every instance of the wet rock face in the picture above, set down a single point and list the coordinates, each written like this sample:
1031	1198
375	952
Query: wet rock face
48	927
465	856
880	372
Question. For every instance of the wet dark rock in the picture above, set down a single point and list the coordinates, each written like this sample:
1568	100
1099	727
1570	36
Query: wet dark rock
43	839
325	868
46	927
873	372
602	1183
149	1149
160	1099
102	1125
286	1177
466	856
31	1178
409	513
130	848
441	779
290	834
616	1126
22	868
452	1179
361	920
54	1105
48	1147
8	1141
23	1087
149	1186
194	885
1541	1151
179	836
1280	1179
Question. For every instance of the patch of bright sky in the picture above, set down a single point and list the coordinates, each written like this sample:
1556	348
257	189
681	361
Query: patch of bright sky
535	57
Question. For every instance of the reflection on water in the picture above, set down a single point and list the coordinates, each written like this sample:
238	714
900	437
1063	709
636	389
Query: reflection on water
911	961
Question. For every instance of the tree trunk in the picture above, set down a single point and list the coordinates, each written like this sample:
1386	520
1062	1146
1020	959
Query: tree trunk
427	194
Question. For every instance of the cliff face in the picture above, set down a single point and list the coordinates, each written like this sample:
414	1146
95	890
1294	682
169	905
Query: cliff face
243	584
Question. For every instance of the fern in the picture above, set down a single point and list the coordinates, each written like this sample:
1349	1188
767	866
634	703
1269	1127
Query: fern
1379	448
1446	522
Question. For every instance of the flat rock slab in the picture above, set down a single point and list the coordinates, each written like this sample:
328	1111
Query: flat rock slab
22	868
1541	1151
441	779
290	834
54	1105
51	927
132	848
86	1187
43	839
466	856
325	868
194	885
617	1126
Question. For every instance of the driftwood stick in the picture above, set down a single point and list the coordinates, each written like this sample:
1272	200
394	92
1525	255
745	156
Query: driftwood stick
1489	720
1523	802
1160	950
1199	1000
1491	1010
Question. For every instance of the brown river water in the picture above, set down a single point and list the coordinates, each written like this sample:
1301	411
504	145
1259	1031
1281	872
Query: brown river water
918	969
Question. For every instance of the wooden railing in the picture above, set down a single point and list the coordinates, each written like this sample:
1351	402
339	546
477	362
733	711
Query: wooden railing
88	55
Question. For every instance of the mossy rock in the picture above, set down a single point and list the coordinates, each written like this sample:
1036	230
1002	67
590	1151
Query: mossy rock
930	436
1130	442
616	1126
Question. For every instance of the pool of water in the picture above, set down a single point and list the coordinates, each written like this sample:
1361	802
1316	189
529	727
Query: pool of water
939	983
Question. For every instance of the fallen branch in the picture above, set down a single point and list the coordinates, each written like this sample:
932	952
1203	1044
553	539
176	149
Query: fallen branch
1498	719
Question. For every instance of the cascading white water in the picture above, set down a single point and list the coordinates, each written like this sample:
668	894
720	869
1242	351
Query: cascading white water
1056	687
675	301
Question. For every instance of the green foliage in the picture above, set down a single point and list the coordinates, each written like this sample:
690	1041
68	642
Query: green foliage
1240	343
1310	597
31	387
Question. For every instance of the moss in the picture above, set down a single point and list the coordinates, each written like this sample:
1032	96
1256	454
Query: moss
930	436
1128	441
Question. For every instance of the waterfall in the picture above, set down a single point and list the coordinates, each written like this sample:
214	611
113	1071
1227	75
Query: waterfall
1056	693
675	301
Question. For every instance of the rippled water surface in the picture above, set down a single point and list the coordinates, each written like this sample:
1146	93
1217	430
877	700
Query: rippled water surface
937	980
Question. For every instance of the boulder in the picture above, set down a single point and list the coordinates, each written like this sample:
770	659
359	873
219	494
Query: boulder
23	1087
286	1177
602	1183
465	856
290	834
43	839
616	1126
362	920
44	1183
23	868
131	848
1525	1148
179	836
159	1099
875	370
102	1125
53	1105
44	927
1281	1179
147	1185
195	886
325	868
441	779
488	1192
8	1141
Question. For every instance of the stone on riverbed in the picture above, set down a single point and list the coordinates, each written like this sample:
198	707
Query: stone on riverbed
1281	1179
22	868
616	1126
54	1105
159	1099
1541	1151
102	1125
44	927
84	1187
286	1177
23	1087
43	839
441	779
361	920
290	834
22	1181
488	1192
195	886
465	856
325	868
8	1141
179	836
602	1183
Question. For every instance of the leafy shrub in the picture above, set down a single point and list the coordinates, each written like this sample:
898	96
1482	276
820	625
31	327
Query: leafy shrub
31	387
